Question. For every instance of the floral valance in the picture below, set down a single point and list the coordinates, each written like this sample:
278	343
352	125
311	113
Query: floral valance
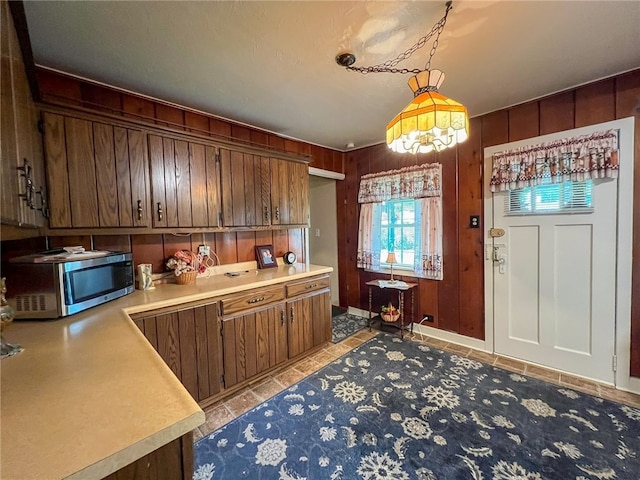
569	159
410	182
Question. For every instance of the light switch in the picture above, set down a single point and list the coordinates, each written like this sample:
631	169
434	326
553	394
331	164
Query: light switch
317	232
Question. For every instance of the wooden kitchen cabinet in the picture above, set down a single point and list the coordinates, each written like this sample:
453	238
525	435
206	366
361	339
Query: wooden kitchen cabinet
254	332
246	189
184	182
253	342
309	314
189	341
262	191
23	196
97	173
289	192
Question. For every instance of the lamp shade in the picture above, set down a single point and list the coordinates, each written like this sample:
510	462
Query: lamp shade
431	121
391	258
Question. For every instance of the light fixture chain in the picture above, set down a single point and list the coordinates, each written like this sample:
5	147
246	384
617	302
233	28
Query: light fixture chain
387	67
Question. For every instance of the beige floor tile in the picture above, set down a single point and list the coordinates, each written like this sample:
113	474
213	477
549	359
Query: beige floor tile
307	366
242	402
197	434
289	377
577	383
619	396
216	417
510	364
542	373
323	357
267	389
458	349
481	356
352	342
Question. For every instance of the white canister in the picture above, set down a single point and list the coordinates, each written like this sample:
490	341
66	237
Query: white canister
145	281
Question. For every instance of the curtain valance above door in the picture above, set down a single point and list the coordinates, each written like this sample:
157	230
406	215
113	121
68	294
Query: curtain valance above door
568	159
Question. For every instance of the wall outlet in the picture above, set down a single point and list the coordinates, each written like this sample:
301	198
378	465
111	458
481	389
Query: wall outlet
204	250
426	318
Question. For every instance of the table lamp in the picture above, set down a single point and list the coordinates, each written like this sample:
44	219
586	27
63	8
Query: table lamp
391	259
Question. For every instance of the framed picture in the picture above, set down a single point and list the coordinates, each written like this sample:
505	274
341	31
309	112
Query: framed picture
265	256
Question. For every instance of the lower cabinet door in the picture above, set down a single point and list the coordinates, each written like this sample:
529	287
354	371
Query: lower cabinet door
309	321
189	342
253	342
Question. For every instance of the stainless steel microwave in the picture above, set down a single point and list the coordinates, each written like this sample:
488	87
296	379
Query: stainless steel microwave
58	284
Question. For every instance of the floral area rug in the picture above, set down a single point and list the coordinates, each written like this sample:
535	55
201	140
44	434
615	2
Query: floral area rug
393	409
345	325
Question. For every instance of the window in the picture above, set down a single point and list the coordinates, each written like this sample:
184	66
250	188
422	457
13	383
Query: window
567	197
398	231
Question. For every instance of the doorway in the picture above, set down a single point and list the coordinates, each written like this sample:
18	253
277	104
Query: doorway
323	230
558	285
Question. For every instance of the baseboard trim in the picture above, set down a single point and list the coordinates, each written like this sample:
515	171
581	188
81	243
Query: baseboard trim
451	337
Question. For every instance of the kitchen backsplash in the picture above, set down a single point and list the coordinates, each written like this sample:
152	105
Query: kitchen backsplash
230	247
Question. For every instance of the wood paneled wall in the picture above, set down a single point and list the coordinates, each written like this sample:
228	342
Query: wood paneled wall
231	247
62	89
457	302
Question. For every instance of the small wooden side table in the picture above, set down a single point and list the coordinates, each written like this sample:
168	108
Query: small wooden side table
400	287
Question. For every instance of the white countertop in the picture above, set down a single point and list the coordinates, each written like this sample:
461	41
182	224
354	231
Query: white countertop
89	394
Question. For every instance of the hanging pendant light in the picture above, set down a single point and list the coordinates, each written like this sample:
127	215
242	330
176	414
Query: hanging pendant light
431	121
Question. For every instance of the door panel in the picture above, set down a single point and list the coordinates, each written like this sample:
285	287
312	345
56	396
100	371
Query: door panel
554	286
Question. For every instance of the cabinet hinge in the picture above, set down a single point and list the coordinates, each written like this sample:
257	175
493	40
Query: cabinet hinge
614	363
220	218
40	126
221	379
218	156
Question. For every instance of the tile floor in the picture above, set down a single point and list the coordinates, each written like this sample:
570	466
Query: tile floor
224	411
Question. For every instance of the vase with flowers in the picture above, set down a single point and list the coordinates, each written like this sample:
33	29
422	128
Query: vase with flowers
186	265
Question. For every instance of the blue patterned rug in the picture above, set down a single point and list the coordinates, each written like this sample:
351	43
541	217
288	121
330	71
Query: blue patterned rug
345	325
401	410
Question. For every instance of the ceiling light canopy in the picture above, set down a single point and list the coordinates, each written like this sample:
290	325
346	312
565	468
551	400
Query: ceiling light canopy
431	121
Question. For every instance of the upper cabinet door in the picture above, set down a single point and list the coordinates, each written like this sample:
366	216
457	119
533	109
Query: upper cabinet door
289	193
97	174
245	189
22	196
184	183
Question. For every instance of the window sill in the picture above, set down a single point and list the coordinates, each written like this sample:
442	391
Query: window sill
398	273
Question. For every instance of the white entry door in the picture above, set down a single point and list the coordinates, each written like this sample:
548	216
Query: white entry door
554	286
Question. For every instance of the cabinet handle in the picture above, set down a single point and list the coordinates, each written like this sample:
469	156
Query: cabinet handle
139	209
159	211
313	285
277	213
29	189
256	300
292	315
43	203
282	317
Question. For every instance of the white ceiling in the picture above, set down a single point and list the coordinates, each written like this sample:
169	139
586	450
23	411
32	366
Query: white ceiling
271	63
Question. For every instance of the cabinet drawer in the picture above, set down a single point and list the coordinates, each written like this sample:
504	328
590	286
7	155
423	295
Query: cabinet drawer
308	285
252	299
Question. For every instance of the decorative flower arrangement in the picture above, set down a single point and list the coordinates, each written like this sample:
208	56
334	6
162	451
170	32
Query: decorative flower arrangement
184	261
389	313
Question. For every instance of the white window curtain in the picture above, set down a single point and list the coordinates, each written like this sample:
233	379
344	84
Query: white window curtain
428	258
420	182
569	159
